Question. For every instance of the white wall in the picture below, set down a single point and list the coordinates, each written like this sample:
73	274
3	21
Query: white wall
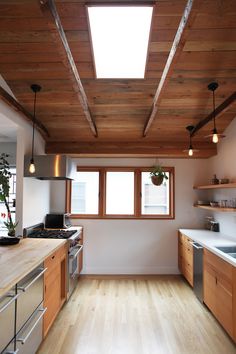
10	149
32	196
224	166
139	246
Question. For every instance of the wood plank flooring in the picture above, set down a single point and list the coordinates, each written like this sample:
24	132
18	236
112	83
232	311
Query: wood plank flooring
158	315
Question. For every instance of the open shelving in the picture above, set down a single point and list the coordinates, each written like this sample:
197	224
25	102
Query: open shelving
208	207
217	186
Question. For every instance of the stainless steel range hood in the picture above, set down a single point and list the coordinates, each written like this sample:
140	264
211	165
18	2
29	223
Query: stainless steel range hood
50	167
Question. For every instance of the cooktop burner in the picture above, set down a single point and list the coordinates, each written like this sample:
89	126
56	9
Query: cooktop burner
52	234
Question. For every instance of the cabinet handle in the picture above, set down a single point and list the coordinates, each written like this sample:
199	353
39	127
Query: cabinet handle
33	281
216	280
12	299
23	340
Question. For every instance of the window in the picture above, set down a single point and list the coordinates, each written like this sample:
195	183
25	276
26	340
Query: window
115	192
120	36
11	199
120	193
84	193
155	201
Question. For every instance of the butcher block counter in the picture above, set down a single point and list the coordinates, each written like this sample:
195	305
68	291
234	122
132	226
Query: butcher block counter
16	261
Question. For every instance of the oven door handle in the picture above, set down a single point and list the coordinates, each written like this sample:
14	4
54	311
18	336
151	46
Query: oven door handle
74	255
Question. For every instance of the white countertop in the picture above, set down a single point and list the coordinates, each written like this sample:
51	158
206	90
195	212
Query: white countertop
211	240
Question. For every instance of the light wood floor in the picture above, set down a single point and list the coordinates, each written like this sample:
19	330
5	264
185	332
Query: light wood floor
154	316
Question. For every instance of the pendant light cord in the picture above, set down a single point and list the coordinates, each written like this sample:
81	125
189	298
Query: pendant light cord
32	154
214	110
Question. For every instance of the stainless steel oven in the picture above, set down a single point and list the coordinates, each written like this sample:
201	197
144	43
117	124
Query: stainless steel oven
74	258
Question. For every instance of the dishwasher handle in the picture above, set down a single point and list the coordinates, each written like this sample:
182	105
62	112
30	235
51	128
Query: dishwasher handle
196	245
24	288
23	340
12	299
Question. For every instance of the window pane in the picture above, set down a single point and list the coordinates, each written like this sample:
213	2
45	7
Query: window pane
84	194
11	200
120	193
155	199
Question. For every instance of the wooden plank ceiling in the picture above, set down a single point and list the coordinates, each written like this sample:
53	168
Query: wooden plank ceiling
120	107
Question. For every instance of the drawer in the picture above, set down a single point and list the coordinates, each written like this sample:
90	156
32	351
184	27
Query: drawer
7	318
52	260
224	268
29	338
30	291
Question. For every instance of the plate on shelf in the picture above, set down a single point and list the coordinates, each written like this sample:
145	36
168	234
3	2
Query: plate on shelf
7	240
202	202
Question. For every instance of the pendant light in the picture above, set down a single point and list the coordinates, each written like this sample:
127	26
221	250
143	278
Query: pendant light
215	135
190	150
35	88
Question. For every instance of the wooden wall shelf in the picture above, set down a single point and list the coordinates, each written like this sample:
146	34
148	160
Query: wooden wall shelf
216	186
208	207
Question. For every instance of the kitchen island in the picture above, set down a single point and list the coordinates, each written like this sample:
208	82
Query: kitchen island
33	288
16	261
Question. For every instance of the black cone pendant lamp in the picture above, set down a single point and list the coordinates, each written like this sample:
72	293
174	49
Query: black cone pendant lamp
35	88
215	135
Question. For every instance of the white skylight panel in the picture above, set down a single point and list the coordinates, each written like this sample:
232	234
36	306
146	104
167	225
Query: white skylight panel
120	36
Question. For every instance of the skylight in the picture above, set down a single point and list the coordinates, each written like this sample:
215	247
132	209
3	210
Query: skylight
120	37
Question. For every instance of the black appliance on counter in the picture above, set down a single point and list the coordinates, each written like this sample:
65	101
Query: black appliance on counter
73	237
57	221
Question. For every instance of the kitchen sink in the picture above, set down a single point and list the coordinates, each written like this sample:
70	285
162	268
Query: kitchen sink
230	250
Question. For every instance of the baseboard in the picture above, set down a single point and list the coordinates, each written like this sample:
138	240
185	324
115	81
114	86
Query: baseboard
131	271
129	276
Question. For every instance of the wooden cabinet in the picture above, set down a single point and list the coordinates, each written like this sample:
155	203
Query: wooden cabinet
218	289
185	257
55	287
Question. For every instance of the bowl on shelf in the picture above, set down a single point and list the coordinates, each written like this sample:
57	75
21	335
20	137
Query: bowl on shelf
223	180
214	204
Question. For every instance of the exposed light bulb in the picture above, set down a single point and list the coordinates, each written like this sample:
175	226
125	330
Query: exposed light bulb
190	152
32	166
215	138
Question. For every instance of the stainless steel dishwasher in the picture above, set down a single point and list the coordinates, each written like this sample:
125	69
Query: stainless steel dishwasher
7	318
29	311
198	270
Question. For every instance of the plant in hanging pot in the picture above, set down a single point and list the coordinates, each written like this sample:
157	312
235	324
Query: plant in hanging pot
158	175
5	176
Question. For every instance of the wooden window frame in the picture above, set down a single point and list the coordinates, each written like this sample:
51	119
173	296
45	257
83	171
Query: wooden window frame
137	194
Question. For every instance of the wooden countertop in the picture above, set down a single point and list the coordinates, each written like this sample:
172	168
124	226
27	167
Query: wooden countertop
16	261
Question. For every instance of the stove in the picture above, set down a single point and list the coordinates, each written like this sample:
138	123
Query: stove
38	231
73	237
44	233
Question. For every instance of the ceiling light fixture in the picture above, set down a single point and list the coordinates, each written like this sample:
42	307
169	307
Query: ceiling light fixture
35	88
215	135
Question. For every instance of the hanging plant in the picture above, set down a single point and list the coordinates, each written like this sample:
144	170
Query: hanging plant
157	175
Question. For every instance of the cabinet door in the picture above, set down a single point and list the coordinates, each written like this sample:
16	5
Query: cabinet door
218	289
52	300
224	311
209	288
52	289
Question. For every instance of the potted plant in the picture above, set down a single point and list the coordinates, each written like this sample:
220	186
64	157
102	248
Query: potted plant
158	175
5	176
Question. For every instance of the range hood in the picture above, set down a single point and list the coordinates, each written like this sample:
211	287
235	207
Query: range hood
50	167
